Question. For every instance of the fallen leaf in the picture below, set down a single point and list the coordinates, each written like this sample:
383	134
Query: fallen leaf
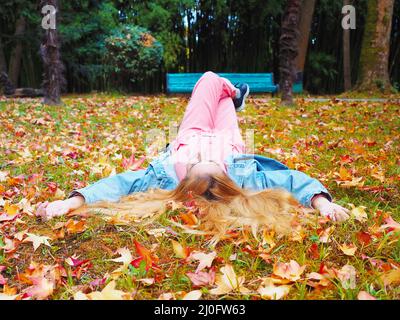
7	297
193	295
205	260
228	281
348	249
347	276
42	280
313	251
108	293
37	240
158	232
325	235
315	279
390	224
11	209
147	281
268	238
189	218
291	271
73	226
201	278
166	296
391	277
145	255
270	291
358	213
42	288
364	238
125	257
363	295
179	250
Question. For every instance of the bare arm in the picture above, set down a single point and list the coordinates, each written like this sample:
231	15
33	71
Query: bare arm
48	210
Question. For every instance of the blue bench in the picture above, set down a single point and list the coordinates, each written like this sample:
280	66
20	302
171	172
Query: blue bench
258	82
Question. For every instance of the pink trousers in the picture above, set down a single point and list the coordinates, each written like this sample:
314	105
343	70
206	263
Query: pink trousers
209	129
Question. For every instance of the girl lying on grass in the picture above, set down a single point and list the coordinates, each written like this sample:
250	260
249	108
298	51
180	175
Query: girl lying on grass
207	163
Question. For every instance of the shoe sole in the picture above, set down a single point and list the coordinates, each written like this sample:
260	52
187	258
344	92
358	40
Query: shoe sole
241	108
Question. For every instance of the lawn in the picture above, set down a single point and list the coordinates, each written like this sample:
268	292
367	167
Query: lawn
46	152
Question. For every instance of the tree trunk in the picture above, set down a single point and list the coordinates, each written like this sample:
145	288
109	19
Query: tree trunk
288	50
3	63
53	78
374	59
346	56
307	12
16	54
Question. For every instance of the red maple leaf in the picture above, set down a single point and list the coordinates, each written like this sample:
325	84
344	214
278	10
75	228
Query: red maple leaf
146	256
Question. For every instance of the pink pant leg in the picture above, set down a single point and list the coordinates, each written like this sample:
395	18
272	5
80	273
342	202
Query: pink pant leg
202	109
226	123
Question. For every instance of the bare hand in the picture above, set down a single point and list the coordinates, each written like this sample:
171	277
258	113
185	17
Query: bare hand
48	210
329	209
57	208
334	211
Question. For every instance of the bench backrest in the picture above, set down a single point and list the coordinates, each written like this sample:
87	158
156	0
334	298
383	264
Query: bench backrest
185	82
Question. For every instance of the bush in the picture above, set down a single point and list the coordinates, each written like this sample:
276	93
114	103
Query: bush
133	52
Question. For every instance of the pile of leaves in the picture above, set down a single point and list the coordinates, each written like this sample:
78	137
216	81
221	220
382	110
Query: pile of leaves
46	152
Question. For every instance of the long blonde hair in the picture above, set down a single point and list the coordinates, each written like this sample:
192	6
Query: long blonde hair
222	205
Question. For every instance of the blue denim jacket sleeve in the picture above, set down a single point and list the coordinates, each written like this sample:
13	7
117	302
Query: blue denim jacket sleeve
302	186
114	187
256	172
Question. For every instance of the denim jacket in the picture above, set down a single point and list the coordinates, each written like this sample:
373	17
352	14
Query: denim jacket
249	171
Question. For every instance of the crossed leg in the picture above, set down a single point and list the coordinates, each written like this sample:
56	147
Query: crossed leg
202	112
211	108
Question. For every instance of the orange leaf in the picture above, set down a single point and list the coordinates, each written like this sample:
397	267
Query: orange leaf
364	238
344	174
189	218
73	226
145	255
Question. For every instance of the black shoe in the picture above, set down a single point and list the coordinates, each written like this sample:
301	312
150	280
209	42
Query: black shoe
244	92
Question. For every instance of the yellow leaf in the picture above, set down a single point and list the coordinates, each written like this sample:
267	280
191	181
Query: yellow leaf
348	250
11	209
344	174
228	281
268	238
358	213
391	277
180	251
270	291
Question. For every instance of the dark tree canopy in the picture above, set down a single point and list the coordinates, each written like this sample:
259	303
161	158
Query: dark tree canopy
218	35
